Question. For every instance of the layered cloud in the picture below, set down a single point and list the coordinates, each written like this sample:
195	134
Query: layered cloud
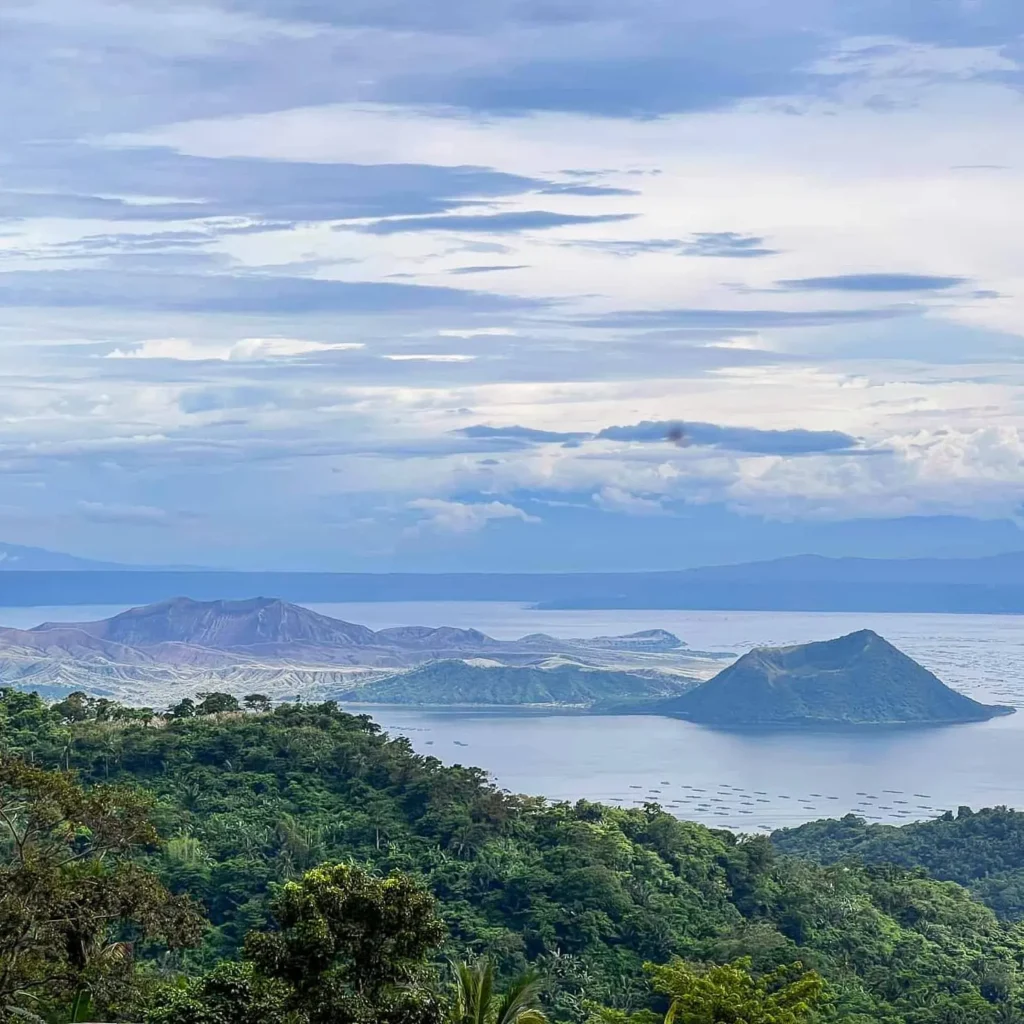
443	299
737	439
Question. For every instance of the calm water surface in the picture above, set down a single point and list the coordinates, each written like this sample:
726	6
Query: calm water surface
741	781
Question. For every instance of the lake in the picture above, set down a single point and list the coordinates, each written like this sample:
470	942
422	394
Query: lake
750	782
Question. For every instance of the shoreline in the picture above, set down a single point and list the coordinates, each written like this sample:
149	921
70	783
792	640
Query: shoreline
798	726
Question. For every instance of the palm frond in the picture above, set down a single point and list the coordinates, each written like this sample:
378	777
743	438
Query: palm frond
519	999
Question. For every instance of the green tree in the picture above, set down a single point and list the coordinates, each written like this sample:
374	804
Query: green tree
475	999
730	994
257	702
232	993
185	708
75	707
72	902
351	947
213	703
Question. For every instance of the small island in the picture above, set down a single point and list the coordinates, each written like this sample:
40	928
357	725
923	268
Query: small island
453	682
856	680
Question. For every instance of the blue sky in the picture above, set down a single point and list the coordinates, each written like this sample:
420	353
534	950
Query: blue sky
376	284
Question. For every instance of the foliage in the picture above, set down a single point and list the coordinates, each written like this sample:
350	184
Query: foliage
475	999
983	850
73	902
349	946
214	703
730	994
583	893
344	948
231	993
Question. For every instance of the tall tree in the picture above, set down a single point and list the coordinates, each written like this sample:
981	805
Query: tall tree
351	946
347	948
72	902
730	994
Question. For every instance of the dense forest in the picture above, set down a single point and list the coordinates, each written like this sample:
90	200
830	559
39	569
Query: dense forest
218	864
983	850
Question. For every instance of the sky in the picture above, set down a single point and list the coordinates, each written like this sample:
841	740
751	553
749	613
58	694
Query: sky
380	285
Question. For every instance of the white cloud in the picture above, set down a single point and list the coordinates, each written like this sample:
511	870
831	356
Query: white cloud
615	499
841	189
428	357
904	161
463	517
251	349
478	332
140	515
176	29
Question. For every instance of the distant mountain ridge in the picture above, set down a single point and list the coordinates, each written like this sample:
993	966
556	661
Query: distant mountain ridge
282	648
270	626
993	584
20	558
858	679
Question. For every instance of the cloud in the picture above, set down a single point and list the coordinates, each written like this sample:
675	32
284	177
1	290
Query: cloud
216	399
224	293
629	247
741	318
154	183
478	332
494	268
462	517
721	244
248	349
732	146
748	440
738	439
498	223
516	433
124	515
430	357
659	65
727	244
873	283
587	190
615	499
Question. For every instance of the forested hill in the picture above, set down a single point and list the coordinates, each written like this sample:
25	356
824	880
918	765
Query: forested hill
983	850
584	893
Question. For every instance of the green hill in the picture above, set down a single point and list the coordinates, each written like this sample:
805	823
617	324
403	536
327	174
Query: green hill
454	682
586	893
983	850
859	679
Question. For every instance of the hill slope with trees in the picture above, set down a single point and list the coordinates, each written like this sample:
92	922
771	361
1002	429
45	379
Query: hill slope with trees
982	850
247	802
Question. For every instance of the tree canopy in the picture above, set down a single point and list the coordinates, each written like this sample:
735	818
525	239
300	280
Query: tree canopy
274	819
74	902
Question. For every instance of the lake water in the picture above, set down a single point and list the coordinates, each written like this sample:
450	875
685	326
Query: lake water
749	782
